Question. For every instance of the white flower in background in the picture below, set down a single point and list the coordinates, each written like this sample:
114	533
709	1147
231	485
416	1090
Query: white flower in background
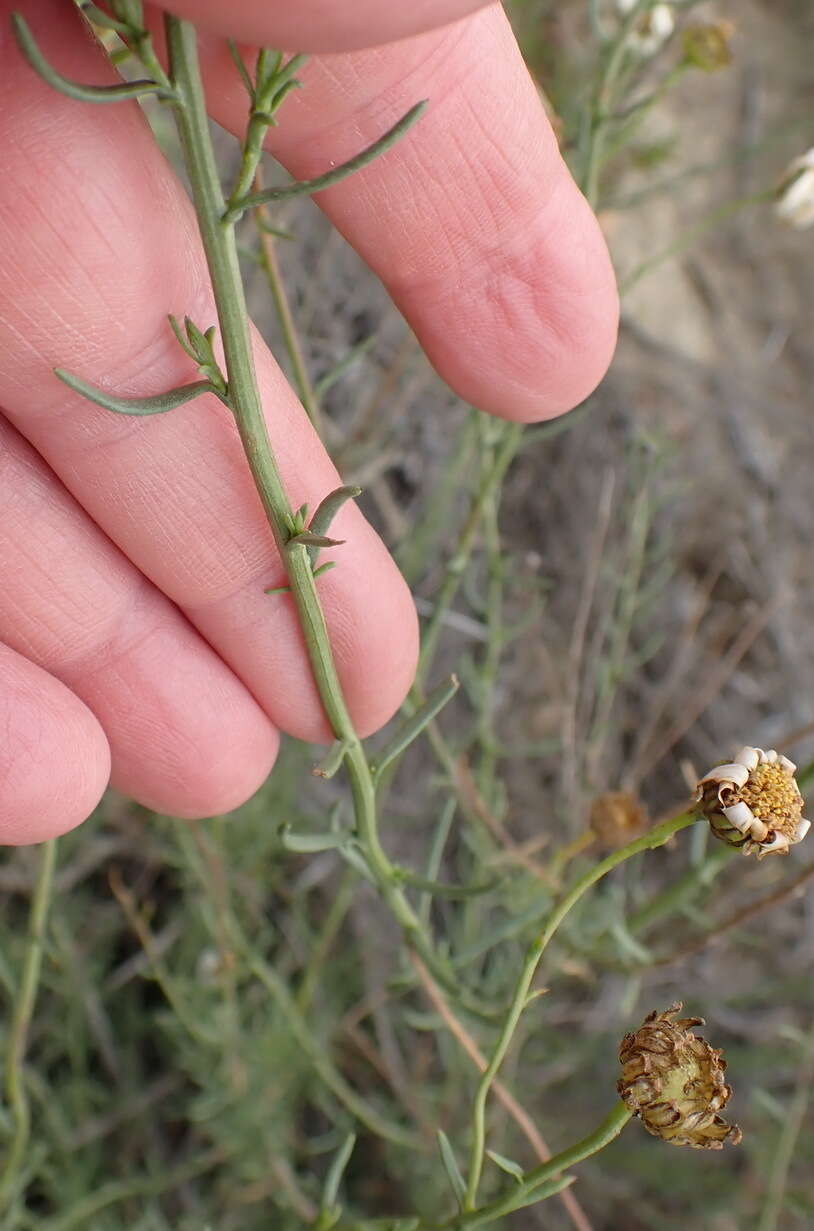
794	203
754	802
653	28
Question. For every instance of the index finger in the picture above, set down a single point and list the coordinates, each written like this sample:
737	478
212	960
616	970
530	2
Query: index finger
472	221
322	25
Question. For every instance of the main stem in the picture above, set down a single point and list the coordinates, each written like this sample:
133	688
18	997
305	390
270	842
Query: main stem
648	841
220	247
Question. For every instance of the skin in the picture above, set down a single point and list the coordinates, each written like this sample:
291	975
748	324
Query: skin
136	643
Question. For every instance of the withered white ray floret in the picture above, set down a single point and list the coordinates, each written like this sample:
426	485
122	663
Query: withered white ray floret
753	802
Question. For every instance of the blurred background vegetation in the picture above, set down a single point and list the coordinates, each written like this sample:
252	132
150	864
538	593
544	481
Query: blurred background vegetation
218	1011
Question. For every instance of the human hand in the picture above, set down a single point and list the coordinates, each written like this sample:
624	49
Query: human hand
136	641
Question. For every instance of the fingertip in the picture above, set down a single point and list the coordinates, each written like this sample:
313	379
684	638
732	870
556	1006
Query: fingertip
216	775
190	740
54	757
531	333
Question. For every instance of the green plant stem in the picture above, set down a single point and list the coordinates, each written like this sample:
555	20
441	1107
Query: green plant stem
319	1056
648	841
521	1194
271	267
16	1096
259	124
602	105
217	233
238	206
504	455
713	219
680	893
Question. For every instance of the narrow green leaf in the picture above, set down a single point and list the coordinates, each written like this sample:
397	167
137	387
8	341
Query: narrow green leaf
307	539
278	590
75	89
768	1103
202	351
440	889
413	727
241	67
328	508
136	406
330	378
307	187
275	79
277	232
452	1169
201	347
336	1170
324	515
324	568
280	96
436	854
181	337
333	761
350	852
285	72
266	66
549	1189
508	1165
310	843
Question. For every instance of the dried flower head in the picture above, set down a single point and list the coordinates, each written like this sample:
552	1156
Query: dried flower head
707	46
616	817
794	201
674	1081
652	30
754	802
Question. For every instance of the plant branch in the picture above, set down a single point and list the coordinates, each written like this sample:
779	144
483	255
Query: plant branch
517	1112
238	206
271	267
75	89
533	1185
648	841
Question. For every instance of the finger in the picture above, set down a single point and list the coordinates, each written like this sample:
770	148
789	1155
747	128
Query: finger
97	245
54	759
322	25
186	737
472	221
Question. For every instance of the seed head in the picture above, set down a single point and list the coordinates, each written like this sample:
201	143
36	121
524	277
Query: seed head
707	46
794	200
674	1081
754	802
616	817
